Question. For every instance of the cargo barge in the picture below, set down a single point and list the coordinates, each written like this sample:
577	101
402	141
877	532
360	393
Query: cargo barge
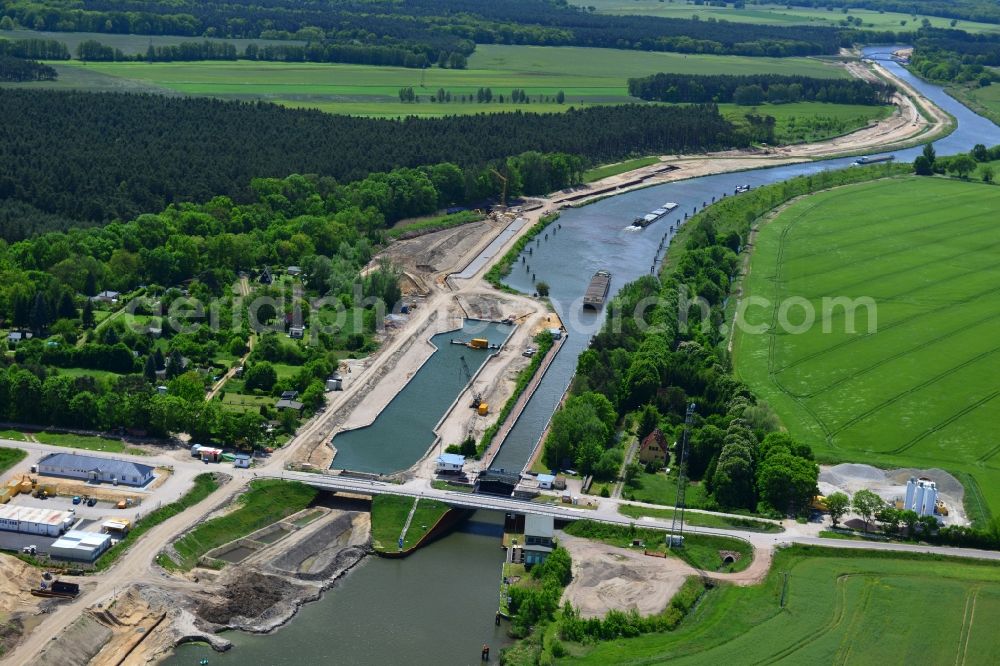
597	290
657	214
862	161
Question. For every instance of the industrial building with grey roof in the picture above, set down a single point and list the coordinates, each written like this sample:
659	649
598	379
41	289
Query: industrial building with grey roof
93	468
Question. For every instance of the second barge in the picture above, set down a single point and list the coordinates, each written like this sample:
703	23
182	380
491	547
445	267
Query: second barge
657	214
597	290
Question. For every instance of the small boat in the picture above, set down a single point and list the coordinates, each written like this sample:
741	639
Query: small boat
653	216
597	290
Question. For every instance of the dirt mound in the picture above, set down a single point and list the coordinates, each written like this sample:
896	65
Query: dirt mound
607	578
16	578
248	595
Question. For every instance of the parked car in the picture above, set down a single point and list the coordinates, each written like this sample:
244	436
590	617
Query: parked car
76	499
91	501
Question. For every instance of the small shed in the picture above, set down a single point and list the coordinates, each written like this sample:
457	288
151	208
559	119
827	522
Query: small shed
284	403
335	384
241	460
450	463
294	271
546	481
296	332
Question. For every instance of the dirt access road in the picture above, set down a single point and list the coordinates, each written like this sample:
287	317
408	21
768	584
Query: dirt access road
136	563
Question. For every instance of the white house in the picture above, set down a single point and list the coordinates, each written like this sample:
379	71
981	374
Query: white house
92	468
450	463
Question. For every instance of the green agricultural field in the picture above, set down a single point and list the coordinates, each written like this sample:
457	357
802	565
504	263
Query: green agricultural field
915	383
585	75
840	607
779	15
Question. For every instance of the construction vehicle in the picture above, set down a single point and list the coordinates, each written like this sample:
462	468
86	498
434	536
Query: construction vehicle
818	503
477	397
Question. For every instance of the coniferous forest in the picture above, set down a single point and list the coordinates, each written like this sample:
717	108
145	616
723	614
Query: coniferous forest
97	157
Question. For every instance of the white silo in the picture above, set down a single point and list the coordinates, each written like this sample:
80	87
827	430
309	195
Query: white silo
911	487
918	497
930	499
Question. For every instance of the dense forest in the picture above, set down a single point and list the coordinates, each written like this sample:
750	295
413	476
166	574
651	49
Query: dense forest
984	11
431	26
757	88
94	51
954	56
20	70
64	159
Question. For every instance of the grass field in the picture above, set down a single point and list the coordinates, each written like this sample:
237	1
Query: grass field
779	15
265	503
591	175
919	389
982	100
840	607
662	489
87	442
585	75
10	457
701	519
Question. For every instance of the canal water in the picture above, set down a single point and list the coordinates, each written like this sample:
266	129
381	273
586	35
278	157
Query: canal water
403	431
598	236
435	607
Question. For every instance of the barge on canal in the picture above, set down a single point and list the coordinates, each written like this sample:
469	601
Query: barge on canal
597	290
657	214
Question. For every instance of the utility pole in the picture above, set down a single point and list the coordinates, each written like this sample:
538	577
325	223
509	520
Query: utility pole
676	536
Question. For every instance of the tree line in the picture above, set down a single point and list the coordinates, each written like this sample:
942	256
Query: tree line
752	89
92	50
482	96
440	25
34	49
61	158
19	70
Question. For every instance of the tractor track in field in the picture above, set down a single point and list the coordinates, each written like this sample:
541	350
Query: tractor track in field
895	324
929	382
866	241
886	359
948	421
843	655
881	276
839	611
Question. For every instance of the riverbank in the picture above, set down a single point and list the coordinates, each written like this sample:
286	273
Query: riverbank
257	594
